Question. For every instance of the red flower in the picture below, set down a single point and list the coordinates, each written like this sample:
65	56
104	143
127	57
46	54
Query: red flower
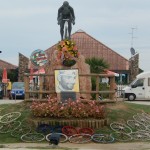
75	48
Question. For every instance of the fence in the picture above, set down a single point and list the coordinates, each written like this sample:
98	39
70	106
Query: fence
120	90
40	91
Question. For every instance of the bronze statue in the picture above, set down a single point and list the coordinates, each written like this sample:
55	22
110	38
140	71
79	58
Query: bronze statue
65	15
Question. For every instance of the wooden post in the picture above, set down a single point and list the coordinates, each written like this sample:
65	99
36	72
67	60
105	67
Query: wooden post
97	87
26	81
41	86
112	83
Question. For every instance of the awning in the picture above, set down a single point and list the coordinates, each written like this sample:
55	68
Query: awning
112	73
40	71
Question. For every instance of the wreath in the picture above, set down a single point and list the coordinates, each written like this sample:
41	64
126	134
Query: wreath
67	52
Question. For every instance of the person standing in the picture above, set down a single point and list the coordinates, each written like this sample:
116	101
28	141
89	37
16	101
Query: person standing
9	87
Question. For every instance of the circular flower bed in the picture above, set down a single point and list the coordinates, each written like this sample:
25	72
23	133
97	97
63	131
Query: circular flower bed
67	52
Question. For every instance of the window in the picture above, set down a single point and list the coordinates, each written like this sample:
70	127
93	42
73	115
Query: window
139	82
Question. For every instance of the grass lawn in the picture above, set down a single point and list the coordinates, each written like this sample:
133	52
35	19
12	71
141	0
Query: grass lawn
8	108
117	112
121	112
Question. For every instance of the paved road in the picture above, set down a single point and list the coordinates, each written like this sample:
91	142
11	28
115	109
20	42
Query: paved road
7	101
142	102
88	146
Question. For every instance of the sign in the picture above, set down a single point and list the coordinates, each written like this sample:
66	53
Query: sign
38	58
68	95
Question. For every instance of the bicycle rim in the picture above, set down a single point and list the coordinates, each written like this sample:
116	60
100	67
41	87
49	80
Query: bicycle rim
80	138
32	137
63	137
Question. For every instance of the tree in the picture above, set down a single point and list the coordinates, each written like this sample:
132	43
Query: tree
97	65
13	75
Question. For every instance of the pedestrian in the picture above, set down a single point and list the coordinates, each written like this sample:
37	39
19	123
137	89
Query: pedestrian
9	87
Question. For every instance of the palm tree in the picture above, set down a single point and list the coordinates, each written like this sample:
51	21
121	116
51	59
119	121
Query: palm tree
97	65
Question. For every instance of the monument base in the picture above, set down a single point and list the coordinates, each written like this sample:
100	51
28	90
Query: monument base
63	96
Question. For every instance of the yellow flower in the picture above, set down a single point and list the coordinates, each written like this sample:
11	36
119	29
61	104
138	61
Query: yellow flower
67	42
68	48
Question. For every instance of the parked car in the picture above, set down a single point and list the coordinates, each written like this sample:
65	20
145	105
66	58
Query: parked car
17	91
1	92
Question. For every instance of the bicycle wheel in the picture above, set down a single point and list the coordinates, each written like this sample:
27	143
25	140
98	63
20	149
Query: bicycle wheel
148	128
103	138
121	137
119	127
141	119
139	136
136	125
63	138
147	133
44	129
10	117
32	137
9	127
69	130
66	30
86	131
146	115
80	138
21	130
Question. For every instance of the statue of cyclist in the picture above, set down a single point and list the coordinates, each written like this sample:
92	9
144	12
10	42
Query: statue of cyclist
65	12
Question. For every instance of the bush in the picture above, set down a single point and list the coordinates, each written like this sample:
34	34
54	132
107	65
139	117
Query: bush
71	109
102	87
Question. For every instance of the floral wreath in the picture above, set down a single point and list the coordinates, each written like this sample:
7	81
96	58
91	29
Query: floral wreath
67	52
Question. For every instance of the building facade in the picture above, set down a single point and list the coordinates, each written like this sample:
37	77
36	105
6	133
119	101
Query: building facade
90	47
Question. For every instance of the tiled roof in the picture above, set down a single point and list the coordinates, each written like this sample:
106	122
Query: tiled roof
7	65
90	47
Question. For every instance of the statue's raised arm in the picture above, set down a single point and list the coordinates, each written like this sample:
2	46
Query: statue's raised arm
65	15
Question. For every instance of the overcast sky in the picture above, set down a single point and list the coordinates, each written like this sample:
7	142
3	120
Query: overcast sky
27	25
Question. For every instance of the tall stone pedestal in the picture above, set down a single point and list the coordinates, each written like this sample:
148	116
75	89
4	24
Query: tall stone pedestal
84	81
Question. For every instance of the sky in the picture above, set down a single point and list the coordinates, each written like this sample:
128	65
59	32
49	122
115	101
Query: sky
27	25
